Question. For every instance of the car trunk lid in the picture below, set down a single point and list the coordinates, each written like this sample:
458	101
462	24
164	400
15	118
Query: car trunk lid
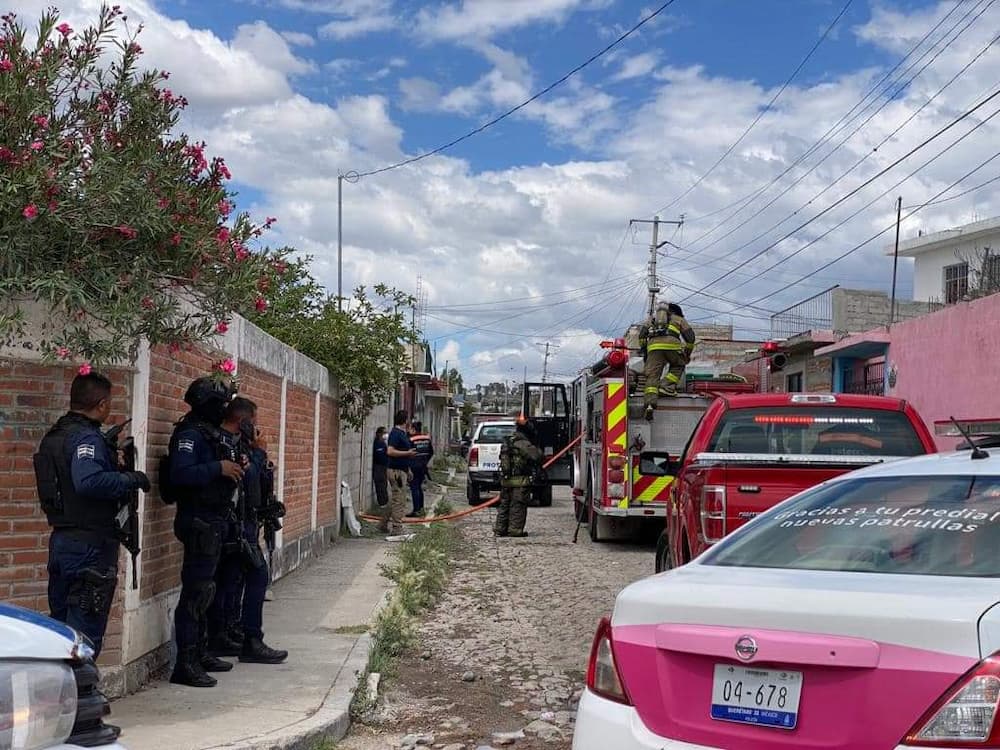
867	653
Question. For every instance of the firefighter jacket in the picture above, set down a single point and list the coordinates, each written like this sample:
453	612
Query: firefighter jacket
674	334
519	458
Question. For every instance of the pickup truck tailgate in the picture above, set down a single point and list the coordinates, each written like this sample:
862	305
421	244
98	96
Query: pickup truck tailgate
489	457
751	490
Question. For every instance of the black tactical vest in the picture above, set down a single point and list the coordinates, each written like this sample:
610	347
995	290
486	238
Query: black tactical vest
63	507
217	495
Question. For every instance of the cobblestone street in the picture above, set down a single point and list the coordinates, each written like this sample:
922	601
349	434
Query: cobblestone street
503	655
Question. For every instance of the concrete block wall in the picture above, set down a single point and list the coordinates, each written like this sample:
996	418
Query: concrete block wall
356	458
857	310
299	418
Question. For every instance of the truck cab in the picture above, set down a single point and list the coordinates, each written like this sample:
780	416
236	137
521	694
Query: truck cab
751	452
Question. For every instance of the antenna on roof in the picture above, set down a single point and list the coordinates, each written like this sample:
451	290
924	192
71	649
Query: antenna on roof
977	452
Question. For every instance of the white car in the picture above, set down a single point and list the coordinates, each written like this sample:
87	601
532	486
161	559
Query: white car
861	614
484	458
48	687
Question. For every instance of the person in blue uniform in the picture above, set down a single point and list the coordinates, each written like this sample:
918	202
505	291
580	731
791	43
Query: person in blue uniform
206	476
81	490
236	620
419	467
380	467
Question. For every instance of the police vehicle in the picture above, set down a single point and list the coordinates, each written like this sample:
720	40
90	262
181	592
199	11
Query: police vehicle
49	696
861	614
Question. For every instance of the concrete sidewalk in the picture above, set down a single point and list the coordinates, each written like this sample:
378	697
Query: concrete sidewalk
289	706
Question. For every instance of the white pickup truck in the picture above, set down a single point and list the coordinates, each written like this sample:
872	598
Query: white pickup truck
49	696
484	458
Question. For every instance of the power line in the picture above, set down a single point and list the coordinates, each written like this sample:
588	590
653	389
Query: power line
846	117
960	195
855	191
461	307
875	236
870	203
868	154
763	112
593	58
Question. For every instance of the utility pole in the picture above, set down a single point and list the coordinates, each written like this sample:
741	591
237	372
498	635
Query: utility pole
351	177
895	261
545	365
652	282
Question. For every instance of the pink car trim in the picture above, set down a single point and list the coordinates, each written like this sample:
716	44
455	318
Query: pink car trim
857	693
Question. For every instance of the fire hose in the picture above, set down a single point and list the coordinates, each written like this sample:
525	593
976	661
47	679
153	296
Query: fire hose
482	506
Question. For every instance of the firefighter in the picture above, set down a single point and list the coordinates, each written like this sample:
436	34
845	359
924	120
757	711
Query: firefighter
519	458
667	341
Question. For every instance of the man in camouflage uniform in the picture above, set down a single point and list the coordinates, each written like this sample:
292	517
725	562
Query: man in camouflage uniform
667	341
519	457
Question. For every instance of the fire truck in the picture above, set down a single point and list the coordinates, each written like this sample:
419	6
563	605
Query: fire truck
620	468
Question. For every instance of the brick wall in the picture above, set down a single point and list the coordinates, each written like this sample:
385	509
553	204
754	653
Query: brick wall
278	379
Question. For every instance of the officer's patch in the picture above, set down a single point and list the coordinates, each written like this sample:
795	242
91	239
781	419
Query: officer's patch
85	451
185	446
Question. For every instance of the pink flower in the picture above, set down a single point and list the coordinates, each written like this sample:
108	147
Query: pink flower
30	211
175	347
147	303
42	121
6	66
176	239
37	145
260	304
270	220
63	352
227	366
225	208
222	237
280	267
65	29
135	49
53	205
163	203
222	327
85	369
128	232
241	252
6	154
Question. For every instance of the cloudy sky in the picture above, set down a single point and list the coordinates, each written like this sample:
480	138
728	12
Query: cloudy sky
521	235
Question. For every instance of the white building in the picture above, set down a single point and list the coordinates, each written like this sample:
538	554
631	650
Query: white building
949	265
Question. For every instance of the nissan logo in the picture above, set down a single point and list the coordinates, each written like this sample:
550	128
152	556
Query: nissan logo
746	648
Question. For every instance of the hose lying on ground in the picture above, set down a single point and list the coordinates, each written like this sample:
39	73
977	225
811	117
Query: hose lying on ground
468	511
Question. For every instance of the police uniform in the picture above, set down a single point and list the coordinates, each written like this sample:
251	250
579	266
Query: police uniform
205	502
668	341
83	547
245	578
520	456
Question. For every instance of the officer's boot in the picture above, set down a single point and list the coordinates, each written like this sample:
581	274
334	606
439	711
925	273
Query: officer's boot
188	670
212	663
223	644
255	651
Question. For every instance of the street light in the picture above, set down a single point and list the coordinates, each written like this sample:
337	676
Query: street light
352	177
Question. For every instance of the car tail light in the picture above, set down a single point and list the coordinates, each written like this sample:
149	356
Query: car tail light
966	715
603	677
473	457
713	512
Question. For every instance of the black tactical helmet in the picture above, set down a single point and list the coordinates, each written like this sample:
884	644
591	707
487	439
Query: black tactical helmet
675	309
209	397
526	427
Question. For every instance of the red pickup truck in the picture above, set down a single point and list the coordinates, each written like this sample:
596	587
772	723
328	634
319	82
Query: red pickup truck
750	452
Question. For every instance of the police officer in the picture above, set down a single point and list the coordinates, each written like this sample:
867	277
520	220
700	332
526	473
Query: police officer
667	341
238	613
419	467
81	490
519	458
205	474
380	467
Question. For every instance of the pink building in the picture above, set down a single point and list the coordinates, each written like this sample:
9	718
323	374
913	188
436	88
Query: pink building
945	363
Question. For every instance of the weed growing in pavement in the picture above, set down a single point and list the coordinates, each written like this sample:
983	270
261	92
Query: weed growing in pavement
443	507
351	630
420	571
324	744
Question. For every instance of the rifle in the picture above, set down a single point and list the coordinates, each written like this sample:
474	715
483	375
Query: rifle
271	511
127	519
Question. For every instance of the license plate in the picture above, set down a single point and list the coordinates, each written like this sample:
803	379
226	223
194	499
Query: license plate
765	697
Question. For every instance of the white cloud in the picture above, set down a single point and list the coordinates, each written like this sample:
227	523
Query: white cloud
485	18
298	38
638	66
270	49
357	17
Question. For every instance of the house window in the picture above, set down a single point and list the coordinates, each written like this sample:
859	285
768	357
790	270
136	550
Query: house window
989	280
956	282
793	383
